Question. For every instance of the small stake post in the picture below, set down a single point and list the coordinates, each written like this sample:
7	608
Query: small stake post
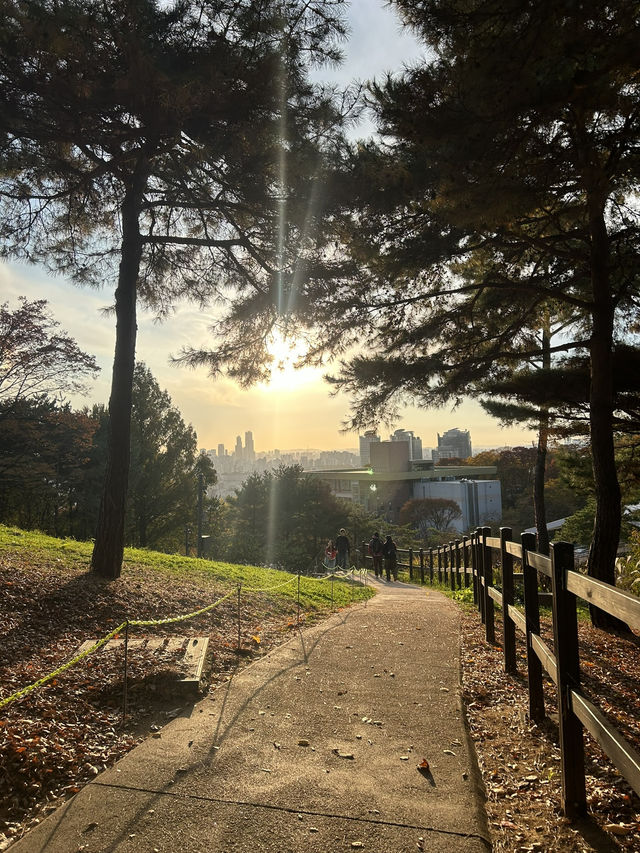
298	596
331	591
126	673
239	592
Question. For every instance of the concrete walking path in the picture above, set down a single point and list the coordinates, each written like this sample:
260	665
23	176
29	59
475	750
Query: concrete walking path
315	747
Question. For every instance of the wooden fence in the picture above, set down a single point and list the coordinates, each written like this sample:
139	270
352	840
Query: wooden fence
472	561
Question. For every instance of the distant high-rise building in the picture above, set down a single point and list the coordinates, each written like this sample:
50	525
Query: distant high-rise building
415	442
453	444
238	451
249	450
221	450
366	441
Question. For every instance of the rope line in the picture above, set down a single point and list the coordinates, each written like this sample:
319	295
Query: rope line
270	588
170	620
46	678
146	623
139	623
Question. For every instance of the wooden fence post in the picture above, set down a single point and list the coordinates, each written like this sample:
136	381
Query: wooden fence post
481	598
439	552
410	564
421	552
452	565
475	568
465	557
532	619
458	565
508	625
363	548
565	634
487	571
431	565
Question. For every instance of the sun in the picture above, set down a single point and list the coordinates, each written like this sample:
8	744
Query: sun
284	375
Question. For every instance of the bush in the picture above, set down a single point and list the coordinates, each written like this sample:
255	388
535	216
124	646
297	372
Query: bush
628	568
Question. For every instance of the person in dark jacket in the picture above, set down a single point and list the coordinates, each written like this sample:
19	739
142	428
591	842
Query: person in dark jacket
375	549
390	554
343	547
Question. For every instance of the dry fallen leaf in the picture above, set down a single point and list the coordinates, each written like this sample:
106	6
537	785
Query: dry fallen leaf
619	828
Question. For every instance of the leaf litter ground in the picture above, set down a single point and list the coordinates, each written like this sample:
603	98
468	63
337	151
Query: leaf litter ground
520	761
56	739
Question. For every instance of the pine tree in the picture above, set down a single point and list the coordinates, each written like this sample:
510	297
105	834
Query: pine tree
505	183
146	141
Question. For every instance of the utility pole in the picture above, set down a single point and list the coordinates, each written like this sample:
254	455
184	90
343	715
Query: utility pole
200	491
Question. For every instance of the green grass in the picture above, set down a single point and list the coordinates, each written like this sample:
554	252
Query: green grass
70	554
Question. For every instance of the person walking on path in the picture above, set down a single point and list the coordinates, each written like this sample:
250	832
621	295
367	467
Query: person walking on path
375	549
390	554
343	547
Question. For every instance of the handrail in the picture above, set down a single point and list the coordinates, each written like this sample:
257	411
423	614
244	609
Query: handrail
606	597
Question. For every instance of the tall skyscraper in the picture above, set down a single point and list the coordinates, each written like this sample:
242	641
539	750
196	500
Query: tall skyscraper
238	450
415	442
366	441
453	444
249	450
221	451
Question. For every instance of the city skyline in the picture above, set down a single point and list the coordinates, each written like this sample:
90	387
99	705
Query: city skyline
229	451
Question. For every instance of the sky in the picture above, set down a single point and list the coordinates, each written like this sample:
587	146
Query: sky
296	410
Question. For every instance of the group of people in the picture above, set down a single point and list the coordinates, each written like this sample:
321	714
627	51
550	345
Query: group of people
386	551
338	554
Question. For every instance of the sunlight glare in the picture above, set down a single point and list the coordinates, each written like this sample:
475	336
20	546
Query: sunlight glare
284	375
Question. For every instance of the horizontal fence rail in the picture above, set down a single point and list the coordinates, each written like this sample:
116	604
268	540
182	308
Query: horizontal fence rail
471	561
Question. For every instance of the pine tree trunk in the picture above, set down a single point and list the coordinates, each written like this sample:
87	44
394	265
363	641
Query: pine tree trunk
606	532
539	507
109	545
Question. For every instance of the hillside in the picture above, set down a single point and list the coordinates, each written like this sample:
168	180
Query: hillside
57	737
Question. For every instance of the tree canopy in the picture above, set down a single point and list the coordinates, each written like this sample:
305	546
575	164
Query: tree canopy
37	359
504	185
429	514
173	147
164	462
